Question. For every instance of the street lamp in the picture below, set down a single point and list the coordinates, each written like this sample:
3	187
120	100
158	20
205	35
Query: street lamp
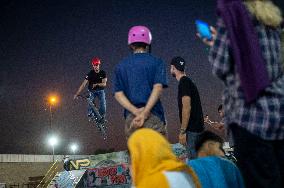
53	141
52	101
74	148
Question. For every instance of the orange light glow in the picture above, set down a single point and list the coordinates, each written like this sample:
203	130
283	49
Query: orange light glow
53	100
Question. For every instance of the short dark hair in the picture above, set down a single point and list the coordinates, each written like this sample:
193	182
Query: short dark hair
139	45
220	107
207	136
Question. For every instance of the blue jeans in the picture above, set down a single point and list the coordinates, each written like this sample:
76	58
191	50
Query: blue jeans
102	103
190	146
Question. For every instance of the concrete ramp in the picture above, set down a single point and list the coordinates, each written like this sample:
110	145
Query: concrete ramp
67	179
112	176
104	170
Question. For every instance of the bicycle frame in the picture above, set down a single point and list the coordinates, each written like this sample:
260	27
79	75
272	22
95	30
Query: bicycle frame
100	126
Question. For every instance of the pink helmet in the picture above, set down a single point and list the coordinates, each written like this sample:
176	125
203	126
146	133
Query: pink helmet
139	34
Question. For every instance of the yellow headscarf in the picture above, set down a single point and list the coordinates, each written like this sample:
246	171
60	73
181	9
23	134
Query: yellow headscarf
151	155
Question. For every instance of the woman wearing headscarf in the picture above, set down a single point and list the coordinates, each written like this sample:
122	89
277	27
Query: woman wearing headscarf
153	163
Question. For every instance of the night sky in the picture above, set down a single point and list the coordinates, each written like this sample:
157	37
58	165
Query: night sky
46	47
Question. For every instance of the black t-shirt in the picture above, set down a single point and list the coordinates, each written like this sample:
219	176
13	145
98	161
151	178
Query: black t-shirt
95	78
187	88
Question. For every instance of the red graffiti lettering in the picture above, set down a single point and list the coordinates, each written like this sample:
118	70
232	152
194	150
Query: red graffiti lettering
103	172
118	179
113	171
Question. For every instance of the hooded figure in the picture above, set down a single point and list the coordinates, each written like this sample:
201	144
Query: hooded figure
153	163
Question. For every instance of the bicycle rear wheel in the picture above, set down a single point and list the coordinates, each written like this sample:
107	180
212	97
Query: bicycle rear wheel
102	130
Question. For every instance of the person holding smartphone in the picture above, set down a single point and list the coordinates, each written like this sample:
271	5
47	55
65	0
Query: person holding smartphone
247	59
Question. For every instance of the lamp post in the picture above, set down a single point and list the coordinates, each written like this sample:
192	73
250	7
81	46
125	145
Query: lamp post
52	101
53	141
74	148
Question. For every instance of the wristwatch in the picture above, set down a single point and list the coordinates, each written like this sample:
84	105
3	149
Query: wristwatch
182	131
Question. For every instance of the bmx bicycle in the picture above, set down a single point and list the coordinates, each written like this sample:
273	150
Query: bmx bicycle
96	118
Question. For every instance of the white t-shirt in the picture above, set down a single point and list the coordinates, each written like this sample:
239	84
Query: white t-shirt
178	180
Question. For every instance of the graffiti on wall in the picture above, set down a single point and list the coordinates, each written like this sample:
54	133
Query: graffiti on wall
180	151
79	164
116	157
106	176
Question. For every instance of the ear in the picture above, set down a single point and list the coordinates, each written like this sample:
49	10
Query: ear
131	47
204	147
209	145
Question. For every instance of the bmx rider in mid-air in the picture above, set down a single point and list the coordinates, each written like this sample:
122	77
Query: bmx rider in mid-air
97	80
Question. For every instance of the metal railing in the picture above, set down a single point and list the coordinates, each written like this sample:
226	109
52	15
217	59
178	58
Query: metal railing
49	175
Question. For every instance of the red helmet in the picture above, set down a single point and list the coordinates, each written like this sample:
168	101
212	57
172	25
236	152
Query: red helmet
96	61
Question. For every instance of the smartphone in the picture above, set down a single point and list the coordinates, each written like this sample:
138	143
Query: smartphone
203	29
